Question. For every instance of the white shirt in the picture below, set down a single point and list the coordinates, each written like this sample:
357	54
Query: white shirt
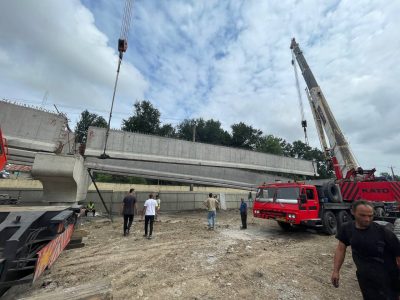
150	205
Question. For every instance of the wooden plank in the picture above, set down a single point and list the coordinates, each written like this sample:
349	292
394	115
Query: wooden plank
95	290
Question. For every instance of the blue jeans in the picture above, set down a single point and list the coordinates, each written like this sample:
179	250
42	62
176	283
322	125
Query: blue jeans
211	219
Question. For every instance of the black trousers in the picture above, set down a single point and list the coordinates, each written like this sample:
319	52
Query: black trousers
147	220
128	219
244	219
373	286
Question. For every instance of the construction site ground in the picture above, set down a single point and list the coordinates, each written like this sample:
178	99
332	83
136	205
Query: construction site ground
184	260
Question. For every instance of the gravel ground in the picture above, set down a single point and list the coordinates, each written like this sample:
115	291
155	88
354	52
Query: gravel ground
186	261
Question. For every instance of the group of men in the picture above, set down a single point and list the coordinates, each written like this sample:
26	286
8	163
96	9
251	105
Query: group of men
150	210
375	249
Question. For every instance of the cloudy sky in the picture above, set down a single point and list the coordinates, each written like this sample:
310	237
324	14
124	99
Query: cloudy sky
227	60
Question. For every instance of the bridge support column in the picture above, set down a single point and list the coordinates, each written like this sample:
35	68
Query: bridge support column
65	178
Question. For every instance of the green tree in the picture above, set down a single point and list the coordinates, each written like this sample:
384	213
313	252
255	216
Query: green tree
186	127
103	177
213	133
167	130
209	131
301	150
86	120
145	119
270	144
245	136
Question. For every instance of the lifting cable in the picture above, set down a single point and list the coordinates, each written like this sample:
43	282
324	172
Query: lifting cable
303	119
122	47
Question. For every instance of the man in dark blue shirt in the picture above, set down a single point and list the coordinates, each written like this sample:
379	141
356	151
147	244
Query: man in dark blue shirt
243	213
128	210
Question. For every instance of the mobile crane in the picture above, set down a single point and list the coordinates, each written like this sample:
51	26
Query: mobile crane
355	182
325	206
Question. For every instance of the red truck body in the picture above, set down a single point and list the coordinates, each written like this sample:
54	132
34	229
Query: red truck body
375	191
3	151
281	202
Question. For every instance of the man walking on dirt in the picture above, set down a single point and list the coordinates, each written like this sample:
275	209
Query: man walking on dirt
128	210
376	254
243	213
211	204
149	211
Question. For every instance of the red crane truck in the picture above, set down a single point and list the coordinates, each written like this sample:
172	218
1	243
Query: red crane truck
326	205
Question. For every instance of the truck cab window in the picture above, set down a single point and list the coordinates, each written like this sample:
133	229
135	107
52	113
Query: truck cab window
310	194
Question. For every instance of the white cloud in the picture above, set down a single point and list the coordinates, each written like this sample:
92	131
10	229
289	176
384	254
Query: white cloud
228	60
55	46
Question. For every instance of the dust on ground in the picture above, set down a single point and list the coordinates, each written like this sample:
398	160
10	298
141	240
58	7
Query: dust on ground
186	261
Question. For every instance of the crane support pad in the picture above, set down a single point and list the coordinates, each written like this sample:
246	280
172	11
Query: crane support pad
48	255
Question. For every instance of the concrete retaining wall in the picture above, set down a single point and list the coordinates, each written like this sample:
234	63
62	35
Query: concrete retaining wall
170	201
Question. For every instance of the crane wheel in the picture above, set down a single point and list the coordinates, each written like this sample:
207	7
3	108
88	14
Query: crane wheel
330	223
332	192
379	212
396	228
342	217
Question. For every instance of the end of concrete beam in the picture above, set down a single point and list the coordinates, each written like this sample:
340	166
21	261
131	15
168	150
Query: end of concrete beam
64	177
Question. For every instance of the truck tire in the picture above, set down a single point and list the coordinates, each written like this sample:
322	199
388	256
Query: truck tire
396	228
332	192
285	226
342	217
329	222
379	212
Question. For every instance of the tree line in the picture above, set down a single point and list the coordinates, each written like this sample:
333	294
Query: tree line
146	119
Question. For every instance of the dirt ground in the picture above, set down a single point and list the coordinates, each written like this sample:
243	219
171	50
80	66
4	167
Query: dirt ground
186	261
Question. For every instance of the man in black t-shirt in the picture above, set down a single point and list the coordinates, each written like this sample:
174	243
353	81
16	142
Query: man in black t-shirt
376	254
128	210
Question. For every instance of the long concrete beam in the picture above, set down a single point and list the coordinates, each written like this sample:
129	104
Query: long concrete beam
29	130
141	147
205	175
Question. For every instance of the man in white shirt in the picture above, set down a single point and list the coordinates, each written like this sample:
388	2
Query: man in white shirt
149	211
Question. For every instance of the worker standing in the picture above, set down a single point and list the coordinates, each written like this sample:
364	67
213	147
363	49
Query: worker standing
149	212
376	254
211	204
243	213
128	210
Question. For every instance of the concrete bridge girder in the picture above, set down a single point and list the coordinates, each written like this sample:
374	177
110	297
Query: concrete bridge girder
141	147
64	177
205	175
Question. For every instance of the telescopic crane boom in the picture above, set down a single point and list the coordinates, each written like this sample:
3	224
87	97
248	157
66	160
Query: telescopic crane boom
339	153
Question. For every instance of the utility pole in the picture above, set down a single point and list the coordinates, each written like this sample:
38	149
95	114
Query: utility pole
194	133
194	140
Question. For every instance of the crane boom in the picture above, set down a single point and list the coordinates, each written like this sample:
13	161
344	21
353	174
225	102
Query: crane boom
339	151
